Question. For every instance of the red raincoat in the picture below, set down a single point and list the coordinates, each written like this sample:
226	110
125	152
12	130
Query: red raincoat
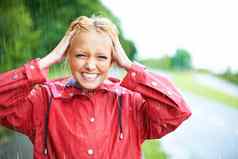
110	122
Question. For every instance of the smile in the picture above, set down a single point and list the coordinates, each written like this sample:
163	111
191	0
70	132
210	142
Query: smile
90	76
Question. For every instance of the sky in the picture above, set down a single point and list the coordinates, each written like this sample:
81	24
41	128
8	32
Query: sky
208	29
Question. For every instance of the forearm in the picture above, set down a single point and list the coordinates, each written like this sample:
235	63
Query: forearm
45	62
59	52
49	59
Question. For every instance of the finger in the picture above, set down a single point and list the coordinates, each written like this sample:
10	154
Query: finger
71	34
75	27
115	41
73	24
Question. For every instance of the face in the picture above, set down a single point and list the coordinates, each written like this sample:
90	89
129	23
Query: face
90	58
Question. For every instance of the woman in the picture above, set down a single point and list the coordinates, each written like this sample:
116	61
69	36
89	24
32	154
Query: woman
89	115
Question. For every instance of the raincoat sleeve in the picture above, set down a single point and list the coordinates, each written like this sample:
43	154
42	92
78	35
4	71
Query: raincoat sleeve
158	106
16	95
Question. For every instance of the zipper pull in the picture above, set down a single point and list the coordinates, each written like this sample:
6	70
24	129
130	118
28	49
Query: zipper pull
121	136
45	151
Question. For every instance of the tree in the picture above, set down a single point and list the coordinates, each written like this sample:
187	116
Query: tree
17	38
30	29
181	60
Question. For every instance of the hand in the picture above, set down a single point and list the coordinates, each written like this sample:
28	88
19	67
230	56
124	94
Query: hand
59	52
119	55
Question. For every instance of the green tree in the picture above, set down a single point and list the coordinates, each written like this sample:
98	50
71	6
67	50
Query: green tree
230	76
181	60
158	63
30	29
16	36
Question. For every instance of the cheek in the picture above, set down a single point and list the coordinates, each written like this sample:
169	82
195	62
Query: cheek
104	67
75	65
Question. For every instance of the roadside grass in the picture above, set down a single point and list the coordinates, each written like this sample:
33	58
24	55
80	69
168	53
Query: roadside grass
152	150
185	81
5	134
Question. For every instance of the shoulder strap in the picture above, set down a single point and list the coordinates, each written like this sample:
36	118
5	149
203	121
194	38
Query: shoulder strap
120	116
50	96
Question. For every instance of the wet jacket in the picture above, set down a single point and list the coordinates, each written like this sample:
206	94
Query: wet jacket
111	122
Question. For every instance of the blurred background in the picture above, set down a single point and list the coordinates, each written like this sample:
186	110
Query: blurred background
192	42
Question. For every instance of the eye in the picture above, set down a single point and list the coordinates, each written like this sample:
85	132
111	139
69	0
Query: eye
80	55
102	57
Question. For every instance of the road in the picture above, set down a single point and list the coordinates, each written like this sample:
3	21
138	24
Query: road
214	82
19	147
210	133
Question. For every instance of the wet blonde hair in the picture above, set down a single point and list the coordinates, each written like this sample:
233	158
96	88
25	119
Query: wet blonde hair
100	24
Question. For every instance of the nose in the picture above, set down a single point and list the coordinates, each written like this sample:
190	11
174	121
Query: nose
90	64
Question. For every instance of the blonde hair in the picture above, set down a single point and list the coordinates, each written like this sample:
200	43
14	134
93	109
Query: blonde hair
100	24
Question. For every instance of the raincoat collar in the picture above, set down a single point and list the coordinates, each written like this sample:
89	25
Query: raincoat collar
69	87
107	85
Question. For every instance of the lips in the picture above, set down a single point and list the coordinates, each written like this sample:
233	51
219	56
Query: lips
90	76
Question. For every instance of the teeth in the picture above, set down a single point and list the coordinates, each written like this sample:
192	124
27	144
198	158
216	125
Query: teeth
90	76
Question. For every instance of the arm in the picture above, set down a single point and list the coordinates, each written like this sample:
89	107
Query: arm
159	107
18	99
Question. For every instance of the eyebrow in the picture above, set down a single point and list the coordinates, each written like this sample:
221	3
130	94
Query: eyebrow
100	53
79	50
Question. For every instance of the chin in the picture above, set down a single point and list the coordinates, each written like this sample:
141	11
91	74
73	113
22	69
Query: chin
89	87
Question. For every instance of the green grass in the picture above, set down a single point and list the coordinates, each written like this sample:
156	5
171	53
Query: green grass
5	134
185	81
152	150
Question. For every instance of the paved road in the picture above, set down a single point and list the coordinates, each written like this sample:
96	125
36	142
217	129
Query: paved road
19	147
211	132
217	83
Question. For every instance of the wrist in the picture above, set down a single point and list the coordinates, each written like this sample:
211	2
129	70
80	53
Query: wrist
49	60
44	62
128	65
